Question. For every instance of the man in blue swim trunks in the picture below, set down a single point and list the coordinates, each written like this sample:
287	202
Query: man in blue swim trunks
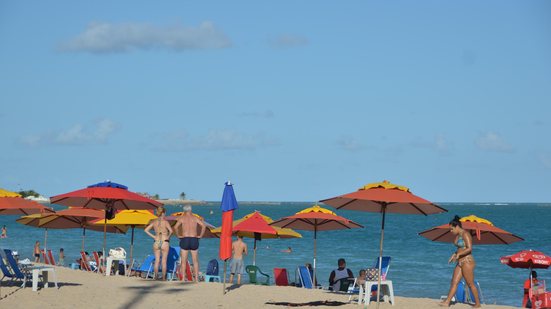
189	241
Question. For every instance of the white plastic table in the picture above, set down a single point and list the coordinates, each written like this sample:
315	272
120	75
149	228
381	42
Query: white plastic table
386	290
110	260
44	270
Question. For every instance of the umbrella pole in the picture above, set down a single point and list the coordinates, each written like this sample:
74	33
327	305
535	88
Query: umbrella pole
45	240
224	285
83	235
132	244
254	252
104	230
381	253
315	251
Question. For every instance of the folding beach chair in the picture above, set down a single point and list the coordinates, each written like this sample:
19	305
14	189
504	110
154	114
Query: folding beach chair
145	267
51	257
6	273
281	277
99	264
44	256
18	273
305	277
84	262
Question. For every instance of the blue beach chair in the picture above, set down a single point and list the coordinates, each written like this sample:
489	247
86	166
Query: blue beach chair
5	271
305	277
212	272
145	267
19	274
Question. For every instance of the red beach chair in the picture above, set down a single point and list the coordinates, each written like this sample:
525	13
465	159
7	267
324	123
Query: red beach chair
281	276
84	262
98	262
44	256
51	257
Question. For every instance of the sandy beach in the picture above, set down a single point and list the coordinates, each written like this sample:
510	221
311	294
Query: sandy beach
90	290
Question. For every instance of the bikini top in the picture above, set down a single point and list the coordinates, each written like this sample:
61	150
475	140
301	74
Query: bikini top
460	243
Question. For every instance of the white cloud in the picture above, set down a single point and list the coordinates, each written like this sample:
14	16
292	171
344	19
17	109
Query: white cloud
102	37
349	144
78	134
214	140
288	40
440	144
491	141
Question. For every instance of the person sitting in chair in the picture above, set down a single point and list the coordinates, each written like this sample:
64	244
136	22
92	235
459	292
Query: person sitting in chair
526	301
340	273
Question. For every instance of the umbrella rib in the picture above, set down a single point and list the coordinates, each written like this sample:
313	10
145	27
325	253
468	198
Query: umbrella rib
347	203
335	221
419	209
443	234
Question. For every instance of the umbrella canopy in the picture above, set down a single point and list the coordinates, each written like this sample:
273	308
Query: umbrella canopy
208	231
527	259
383	197
103	194
11	203
253	226
107	196
34	220
316	219
129	218
483	231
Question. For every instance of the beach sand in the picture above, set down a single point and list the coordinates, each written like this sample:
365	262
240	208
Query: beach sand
90	290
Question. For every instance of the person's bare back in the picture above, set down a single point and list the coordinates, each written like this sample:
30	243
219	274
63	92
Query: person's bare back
239	248
187	224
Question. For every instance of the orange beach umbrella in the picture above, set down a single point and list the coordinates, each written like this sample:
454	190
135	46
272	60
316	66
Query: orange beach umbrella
483	231
384	197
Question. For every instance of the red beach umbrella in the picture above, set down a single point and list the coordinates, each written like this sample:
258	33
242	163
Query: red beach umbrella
383	197
316	219
107	196
483	231
527	259
255	224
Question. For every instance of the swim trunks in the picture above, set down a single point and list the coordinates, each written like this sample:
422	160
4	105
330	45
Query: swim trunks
236	266
189	243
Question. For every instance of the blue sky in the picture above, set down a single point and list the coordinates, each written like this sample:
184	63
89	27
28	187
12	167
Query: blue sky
290	100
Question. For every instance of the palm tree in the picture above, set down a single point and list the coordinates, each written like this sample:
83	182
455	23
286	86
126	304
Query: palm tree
182	196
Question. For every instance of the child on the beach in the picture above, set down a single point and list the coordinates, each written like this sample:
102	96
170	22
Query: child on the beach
37	252
61	260
361	277
4	232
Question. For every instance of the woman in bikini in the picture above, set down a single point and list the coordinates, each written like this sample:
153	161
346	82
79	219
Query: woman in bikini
161	242
465	262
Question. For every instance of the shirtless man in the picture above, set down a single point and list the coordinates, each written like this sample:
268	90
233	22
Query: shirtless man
239	248
161	240
189	241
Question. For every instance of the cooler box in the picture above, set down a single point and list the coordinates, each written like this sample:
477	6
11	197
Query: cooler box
541	301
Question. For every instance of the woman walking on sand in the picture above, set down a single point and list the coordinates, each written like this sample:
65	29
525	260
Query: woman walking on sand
161	240
465	262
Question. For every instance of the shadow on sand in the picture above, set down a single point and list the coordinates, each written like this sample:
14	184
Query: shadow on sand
141	292
328	303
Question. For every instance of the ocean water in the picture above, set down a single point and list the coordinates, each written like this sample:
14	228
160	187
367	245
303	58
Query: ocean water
418	268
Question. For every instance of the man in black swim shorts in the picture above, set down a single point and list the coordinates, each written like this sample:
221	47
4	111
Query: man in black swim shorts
187	229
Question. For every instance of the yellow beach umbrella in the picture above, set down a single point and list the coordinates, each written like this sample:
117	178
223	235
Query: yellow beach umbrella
6	193
132	218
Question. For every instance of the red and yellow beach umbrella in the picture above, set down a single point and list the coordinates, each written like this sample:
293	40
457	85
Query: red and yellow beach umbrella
483	231
12	203
316	219
384	197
